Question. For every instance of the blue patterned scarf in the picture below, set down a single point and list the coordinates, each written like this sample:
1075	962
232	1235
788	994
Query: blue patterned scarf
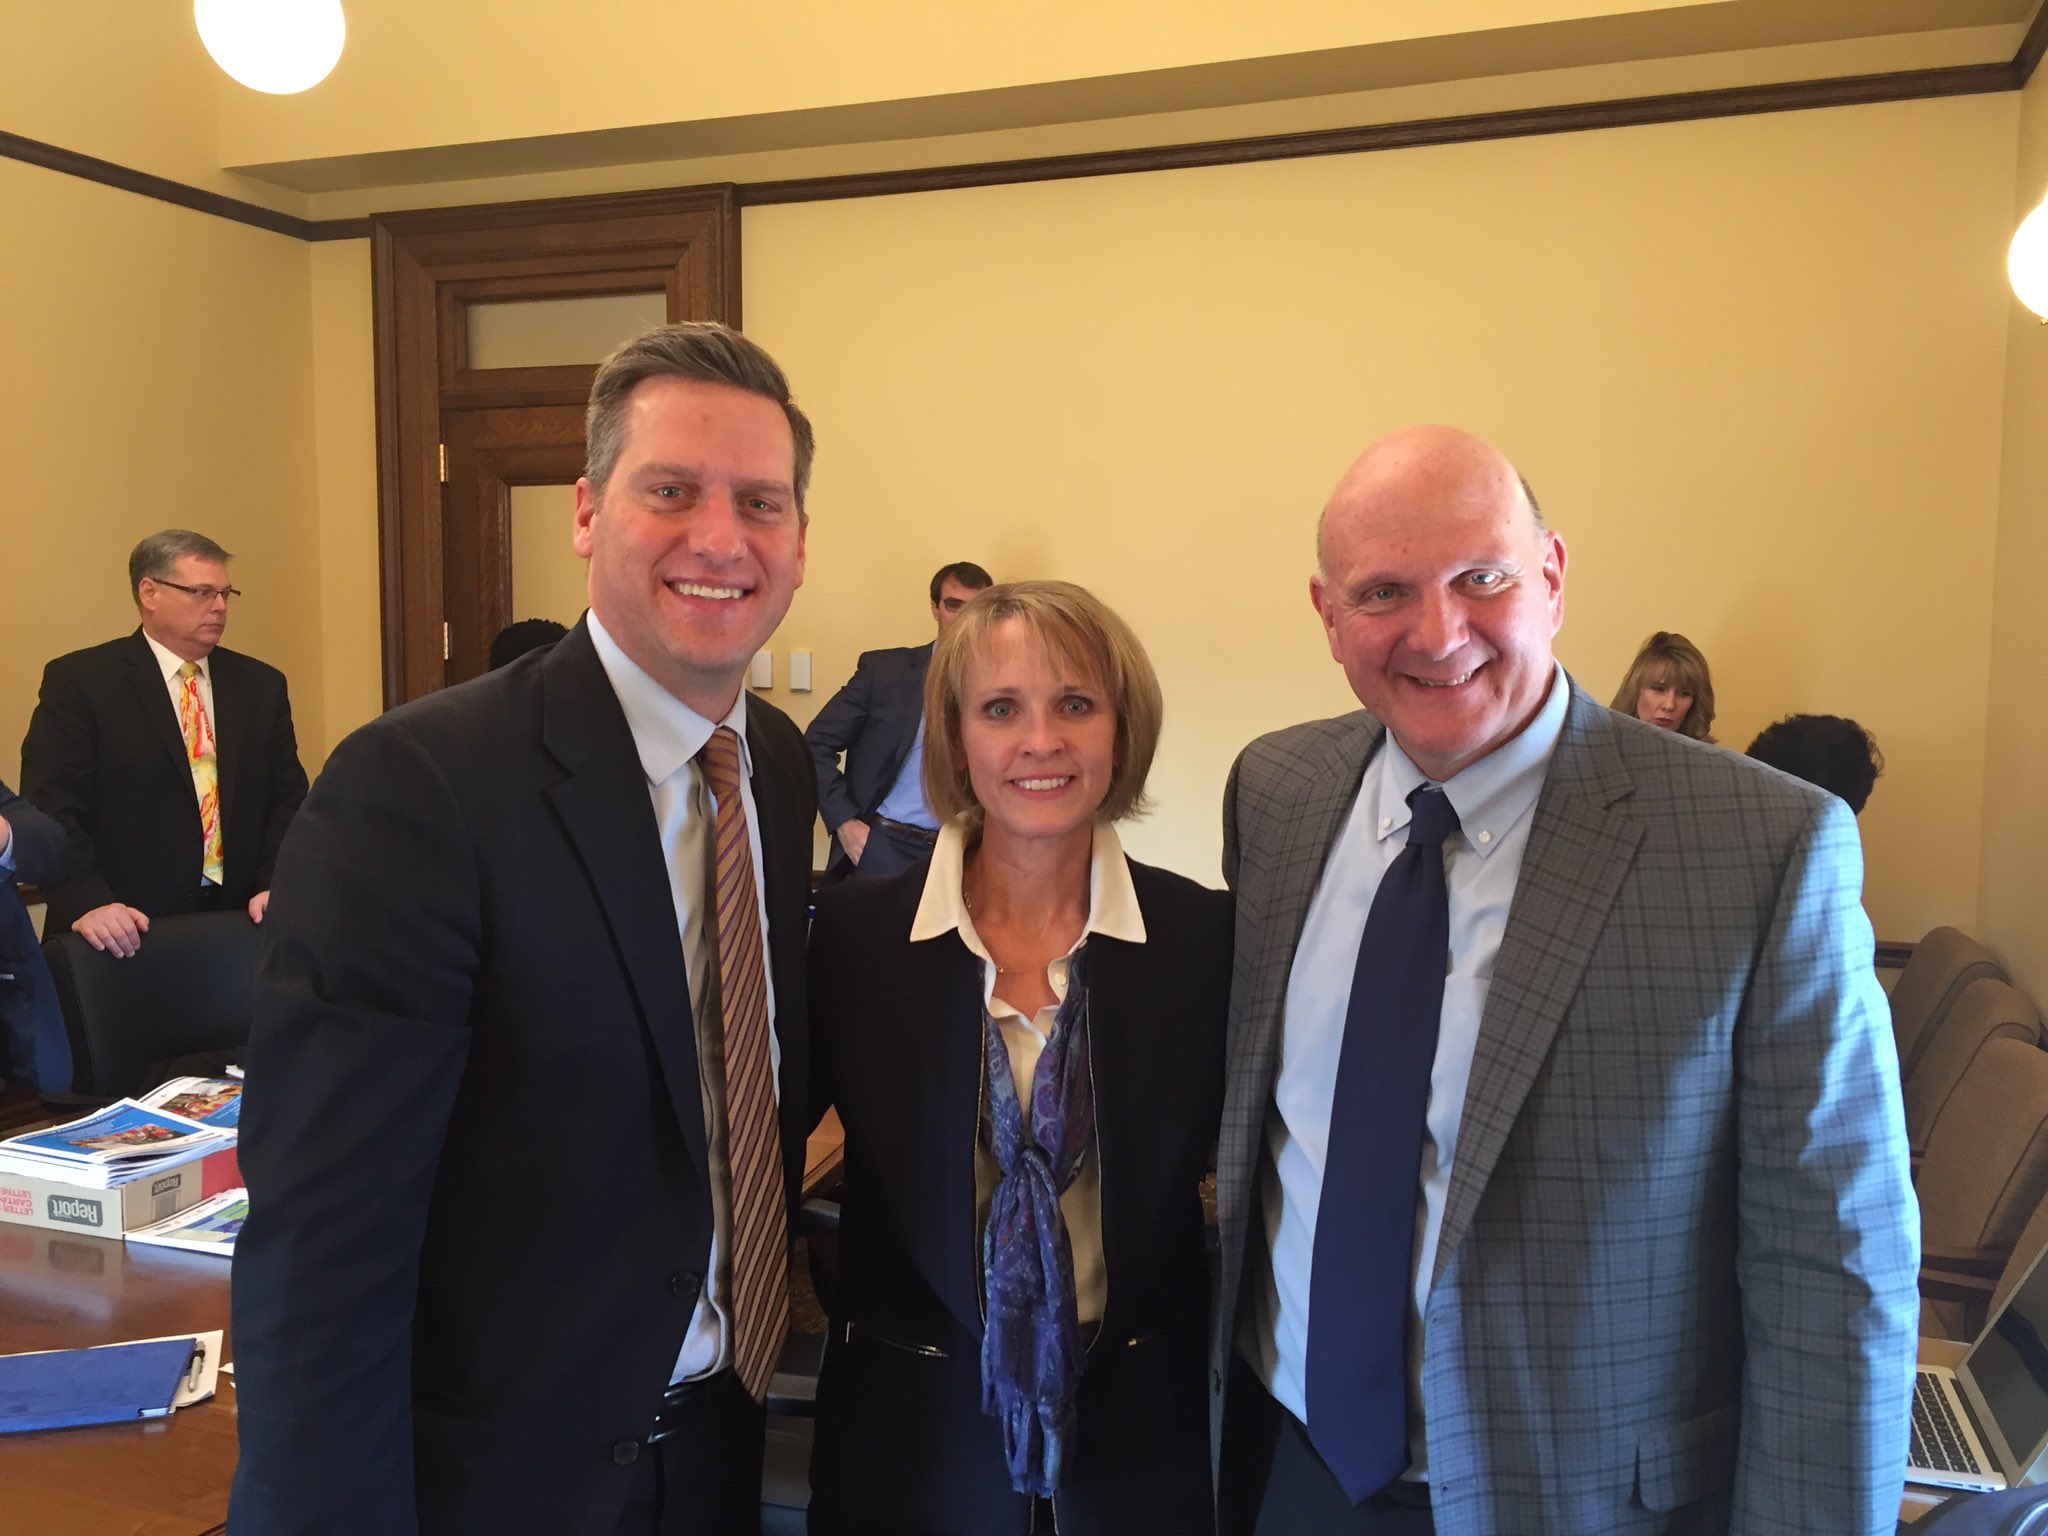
1031	1354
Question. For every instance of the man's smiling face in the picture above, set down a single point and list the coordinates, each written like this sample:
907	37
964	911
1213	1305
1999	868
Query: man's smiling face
696	544
1440	592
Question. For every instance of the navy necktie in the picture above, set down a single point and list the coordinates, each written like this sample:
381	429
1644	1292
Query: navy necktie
1363	1271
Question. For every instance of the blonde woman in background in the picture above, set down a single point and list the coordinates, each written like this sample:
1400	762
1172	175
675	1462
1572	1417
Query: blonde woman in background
1668	686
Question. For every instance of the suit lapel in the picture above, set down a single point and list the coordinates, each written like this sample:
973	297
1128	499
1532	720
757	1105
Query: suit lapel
605	810
942	974
146	679
1310	814
784	803
1579	852
1116	991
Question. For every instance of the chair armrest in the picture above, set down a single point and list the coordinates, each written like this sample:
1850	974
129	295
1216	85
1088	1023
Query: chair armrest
1988	1263
814	1217
1936	1285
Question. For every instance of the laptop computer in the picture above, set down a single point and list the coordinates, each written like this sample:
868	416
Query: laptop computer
1984	1424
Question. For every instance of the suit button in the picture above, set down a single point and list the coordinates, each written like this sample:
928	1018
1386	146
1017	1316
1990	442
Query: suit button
1216	1382
685	1284
626	1452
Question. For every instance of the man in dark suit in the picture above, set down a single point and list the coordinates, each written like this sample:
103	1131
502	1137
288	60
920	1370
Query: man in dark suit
33	1048
169	759
875	808
526	1084
1562	1181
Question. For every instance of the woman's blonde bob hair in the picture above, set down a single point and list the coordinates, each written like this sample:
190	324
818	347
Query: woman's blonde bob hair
1080	635
1668	657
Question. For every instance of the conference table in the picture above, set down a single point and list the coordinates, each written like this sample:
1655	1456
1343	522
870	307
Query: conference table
168	1477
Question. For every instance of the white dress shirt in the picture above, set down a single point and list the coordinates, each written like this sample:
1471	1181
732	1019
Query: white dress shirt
668	735
1113	912
1495	799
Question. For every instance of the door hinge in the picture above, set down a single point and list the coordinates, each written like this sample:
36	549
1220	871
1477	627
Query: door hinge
447	641
444	463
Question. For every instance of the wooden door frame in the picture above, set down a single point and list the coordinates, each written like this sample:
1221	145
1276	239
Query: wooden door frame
424	267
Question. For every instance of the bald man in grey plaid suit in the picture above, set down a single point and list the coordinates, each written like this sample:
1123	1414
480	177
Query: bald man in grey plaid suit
1662	1275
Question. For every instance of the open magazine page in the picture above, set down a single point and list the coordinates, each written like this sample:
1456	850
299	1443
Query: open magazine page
211	1226
213	1101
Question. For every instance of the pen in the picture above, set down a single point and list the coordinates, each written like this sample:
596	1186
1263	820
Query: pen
195	1370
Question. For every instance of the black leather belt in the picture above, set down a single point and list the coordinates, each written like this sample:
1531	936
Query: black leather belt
923	835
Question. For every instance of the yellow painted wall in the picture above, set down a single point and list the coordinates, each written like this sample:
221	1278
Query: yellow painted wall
344	390
158	373
2015	890
1754	368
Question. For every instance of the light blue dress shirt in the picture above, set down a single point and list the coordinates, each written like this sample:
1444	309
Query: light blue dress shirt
905	801
1495	799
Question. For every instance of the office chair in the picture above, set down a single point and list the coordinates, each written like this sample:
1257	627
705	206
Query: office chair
180	1003
1987	1009
1943	963
1982	1183
793	1393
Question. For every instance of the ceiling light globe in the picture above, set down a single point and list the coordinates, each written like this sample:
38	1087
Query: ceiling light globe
2026	264
280	47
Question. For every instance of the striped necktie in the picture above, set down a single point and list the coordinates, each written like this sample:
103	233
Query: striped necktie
197	730
759	1295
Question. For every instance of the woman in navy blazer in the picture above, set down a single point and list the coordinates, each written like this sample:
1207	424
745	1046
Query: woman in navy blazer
1027	975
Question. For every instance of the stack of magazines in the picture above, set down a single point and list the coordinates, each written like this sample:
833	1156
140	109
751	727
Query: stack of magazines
125	1141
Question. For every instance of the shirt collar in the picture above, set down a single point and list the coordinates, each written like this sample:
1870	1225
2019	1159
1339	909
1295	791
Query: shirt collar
1112	899
1491	795
168	661
667	733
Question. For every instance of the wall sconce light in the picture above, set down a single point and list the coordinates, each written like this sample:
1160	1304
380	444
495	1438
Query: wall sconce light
2026	264
277	46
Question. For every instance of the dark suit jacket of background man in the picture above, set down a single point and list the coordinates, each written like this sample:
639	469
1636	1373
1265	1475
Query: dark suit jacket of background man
1680	1196
873	720
32	1042
474	1140
104	755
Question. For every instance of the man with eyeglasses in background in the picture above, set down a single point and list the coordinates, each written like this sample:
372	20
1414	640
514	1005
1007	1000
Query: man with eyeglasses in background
169	760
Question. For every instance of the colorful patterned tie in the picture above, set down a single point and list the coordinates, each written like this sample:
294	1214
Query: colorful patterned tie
759	1295
198	733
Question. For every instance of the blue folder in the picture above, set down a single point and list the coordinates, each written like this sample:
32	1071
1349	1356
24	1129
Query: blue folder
111	1385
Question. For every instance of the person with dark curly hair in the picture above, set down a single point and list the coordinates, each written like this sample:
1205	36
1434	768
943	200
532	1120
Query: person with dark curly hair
1837	754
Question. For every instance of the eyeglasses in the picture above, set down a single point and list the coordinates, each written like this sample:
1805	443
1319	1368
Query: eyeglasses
204	594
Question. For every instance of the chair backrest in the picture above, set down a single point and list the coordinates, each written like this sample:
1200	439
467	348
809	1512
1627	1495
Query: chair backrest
189	990
1986	1169
1943	963
1987	1010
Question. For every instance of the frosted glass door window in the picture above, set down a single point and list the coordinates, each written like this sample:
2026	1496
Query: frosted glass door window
546	333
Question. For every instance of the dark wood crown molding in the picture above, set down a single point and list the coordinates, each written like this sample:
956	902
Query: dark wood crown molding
1685	106
69	162
1527	122
2032	46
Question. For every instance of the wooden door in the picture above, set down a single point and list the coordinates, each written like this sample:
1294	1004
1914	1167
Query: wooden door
491	452
458	430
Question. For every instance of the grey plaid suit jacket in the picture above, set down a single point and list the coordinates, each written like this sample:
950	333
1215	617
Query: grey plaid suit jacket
1675	1289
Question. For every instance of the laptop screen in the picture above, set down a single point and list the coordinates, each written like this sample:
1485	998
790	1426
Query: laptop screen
2009	1365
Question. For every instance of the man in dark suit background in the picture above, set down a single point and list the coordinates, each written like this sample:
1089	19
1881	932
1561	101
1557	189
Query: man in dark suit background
524	1118
1584	1206
169	759
33	1048
875	808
